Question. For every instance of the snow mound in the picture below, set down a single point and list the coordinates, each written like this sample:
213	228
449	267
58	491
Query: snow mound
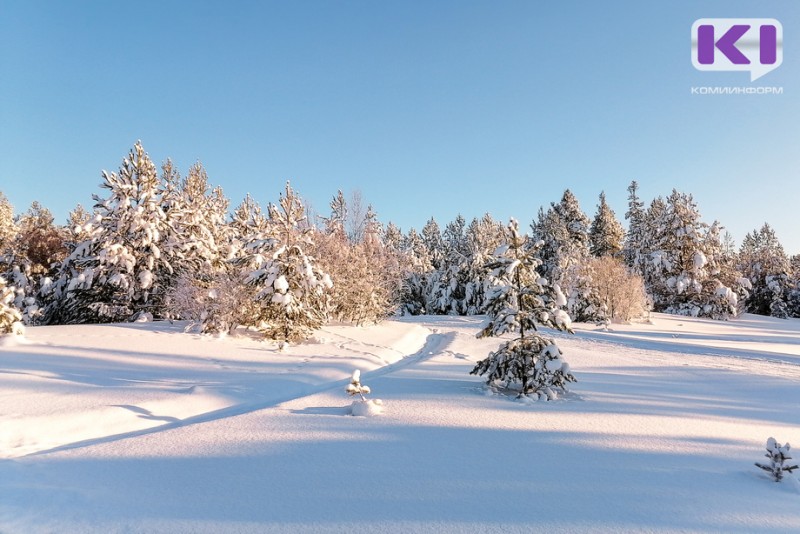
366	408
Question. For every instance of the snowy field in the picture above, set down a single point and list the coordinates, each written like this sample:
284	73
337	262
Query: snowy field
145	428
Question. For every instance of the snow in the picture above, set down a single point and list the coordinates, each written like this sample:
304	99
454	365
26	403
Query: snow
145	428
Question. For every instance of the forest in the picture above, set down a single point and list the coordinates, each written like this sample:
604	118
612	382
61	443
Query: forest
159	245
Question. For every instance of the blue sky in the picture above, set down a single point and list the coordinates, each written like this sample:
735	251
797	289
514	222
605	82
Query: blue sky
426	107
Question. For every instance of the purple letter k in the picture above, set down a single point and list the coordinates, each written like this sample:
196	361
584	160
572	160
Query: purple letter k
726	44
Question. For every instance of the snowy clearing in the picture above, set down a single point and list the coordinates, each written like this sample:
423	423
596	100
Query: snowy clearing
145	428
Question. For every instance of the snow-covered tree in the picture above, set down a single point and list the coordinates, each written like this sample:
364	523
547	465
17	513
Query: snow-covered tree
432	238
363	406
763	262
196	215
633	249
10	317
606	234
8	230
119	271
564	232
40	241
365	275
520	298
778	455
290	291
76	230
355	387
447	284
683	274
418	267
483	236
619	292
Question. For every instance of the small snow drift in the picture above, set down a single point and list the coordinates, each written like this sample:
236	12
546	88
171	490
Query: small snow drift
366	408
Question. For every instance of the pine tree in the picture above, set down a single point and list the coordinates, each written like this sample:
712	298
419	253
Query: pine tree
8	230
606	234
198	241
793	300
290	290
9	316
40	242
119	271
520	299
76	230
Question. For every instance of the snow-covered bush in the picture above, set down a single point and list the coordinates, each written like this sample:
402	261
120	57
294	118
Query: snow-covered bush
519	299
216	304
366	275
363	406
9	316
620	294
778	455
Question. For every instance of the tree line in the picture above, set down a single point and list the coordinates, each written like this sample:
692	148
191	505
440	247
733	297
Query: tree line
158	245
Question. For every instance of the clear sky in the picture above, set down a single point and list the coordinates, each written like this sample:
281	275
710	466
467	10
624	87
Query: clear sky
426	107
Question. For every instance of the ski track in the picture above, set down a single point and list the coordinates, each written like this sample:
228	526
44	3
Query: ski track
433	345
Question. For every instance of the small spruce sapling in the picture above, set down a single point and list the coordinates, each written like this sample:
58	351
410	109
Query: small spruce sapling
777	454
363	407
517	300
355	387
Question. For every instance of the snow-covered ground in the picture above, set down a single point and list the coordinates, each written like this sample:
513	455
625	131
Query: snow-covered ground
145	428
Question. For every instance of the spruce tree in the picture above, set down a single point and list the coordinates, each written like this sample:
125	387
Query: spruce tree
765	264
606	234
564	231
684	270
633	252
519	299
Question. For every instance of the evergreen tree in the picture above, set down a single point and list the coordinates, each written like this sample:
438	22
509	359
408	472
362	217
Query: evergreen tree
606	234
432	238
414	295
290	290
633	251
447	286
119	271
8	230
564	232
763	261
684	273
520	299
483	236
9	316
78	221
196	216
